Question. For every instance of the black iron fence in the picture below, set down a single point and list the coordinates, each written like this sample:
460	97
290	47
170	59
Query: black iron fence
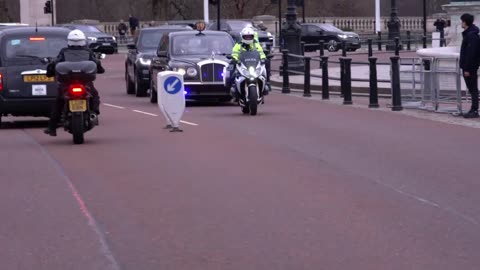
345	79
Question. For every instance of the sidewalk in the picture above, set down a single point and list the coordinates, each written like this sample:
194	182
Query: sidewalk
360	102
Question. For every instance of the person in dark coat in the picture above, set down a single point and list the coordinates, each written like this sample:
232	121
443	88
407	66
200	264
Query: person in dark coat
134	24
469	60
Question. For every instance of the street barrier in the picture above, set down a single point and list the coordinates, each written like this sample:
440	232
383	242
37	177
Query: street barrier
373	93
396	93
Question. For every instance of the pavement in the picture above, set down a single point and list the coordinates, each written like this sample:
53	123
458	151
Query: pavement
306	184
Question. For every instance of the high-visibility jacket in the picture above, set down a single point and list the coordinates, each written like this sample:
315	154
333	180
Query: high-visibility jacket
241	47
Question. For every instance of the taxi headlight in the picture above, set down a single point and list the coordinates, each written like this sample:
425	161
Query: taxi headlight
180	70
192	72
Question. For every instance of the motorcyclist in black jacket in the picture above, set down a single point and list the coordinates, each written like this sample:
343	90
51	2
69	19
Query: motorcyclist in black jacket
76	51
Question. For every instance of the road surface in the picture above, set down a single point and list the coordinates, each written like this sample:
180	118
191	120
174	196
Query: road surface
303	185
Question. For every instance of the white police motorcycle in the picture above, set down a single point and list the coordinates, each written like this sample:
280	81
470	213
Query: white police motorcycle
250	81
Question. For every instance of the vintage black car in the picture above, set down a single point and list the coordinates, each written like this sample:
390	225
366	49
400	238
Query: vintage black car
24	52
313	33
140	54
234	28
201	57
97	40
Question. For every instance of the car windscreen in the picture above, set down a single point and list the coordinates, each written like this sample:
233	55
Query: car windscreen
87	28
238	26
149	40
183	45
330	28
21	49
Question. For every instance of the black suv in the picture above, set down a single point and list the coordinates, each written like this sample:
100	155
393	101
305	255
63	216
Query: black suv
140	54
313	33
97	40
25	90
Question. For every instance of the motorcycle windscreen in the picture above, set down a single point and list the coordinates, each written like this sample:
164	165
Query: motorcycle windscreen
250	59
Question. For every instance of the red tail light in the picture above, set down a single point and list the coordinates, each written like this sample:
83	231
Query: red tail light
1	81
77	90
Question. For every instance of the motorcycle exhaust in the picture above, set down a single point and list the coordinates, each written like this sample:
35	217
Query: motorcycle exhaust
94	119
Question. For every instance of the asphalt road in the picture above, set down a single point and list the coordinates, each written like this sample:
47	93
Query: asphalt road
303	185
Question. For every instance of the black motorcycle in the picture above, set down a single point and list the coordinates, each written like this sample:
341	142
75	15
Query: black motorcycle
77	114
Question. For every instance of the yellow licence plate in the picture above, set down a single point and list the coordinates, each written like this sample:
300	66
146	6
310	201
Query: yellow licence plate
78	105
37	78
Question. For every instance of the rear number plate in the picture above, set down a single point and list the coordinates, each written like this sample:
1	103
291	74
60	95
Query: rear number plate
78	105
37	78
39	90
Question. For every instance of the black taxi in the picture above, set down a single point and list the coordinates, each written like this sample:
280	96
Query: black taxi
201	57
24	52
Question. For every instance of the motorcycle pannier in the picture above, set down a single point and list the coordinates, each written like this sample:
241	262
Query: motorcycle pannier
84	71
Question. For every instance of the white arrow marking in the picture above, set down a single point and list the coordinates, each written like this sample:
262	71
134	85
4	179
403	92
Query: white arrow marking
171	87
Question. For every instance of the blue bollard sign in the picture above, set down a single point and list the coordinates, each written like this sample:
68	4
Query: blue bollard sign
171	97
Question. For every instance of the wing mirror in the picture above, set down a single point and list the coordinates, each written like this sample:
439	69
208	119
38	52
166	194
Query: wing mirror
229	57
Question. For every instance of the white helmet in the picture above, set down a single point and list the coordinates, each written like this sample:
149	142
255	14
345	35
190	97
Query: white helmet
247	35
76	38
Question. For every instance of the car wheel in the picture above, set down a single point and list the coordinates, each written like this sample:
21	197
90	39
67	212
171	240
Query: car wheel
140	89
153	93
332	46
129	85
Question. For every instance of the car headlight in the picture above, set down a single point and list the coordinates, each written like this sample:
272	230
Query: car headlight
145	62
92	39
192	72
114	38
269	34
180	70
342	36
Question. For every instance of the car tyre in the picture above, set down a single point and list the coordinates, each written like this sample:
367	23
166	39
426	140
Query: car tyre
153	93
129	84
140	90
332	46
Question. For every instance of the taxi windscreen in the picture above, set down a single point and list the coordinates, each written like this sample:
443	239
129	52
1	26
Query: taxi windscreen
201	45
30	48
149	40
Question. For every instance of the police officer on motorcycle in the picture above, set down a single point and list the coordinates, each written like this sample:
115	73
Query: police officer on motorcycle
76	51
248	43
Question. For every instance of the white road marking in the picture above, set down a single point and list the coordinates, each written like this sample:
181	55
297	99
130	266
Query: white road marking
146	113
149	114
188	123
113	106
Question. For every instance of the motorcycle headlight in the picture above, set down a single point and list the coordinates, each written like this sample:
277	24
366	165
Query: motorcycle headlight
252	71
192	72
145	62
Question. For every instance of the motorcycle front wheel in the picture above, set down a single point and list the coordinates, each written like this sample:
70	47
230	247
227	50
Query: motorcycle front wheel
252	99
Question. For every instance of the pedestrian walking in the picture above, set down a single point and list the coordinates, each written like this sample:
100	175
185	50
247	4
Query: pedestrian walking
122	31
470	60
134	24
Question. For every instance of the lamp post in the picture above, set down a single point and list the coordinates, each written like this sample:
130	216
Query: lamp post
393	26
424	18
291	33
